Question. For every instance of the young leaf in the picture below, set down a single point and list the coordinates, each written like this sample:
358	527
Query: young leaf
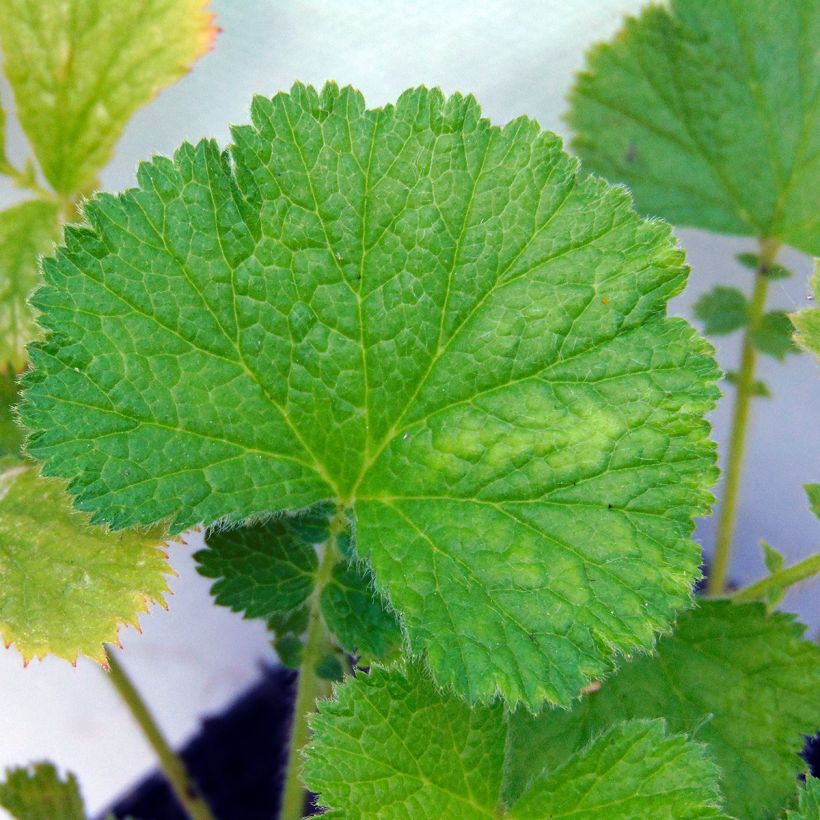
710	113
66	587
808	807
813	493
758	387
741	681
37	792
773	335
722	310
26	231
807	321
435	323
392	745
80	68
4	162
752	261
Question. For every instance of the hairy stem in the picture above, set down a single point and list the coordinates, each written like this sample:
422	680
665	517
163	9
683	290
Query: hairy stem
740	422
782	579
169	761
310	687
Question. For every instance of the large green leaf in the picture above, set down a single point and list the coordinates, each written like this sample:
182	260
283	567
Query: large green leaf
743	682
391	745
66	587
80	68
26	231
432	322
710	112
38	793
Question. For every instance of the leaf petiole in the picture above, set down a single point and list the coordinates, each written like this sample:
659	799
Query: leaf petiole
779	580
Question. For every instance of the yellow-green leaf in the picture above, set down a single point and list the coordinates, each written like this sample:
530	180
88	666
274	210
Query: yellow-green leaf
37	792
807	322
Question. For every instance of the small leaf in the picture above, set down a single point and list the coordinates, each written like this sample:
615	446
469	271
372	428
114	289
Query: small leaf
741	681
66	587
392	745
808	806
813	493
774	562
330	668
758	387
37	792
807	321
722	310
773	335
26	231
290	650
80	68
752	261
710	113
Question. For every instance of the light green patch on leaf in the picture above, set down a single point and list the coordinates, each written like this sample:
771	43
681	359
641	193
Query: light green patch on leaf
432	322
27	231
66	587
808	807
813	493
80	68
807	321
11	436
391	745
722	310
752	261
741	681
773	336
37	792
710	112
758	388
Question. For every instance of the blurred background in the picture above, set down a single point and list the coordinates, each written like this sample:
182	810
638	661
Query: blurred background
517	58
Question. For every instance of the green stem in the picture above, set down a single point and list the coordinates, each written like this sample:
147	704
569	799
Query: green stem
171	764
740	421
780	580
310	687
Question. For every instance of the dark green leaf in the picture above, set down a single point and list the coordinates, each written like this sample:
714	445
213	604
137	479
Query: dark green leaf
722	310
773	336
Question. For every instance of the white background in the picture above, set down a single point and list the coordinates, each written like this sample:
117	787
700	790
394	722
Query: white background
517	58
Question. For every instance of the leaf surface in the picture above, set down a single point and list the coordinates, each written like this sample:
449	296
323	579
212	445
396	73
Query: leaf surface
773	336
431	322
741	681
722	310
807	321
37	792
27	231
391	745
80	68
66	587
813	493
808	807
710	112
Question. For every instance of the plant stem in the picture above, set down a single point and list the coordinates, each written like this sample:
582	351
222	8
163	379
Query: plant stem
310	687
740	421
782	579
169	761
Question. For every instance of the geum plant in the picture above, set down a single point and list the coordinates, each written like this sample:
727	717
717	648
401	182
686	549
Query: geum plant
425	363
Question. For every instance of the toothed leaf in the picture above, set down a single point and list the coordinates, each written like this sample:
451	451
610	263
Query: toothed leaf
80	68
807	321
37	792
710	112
66	587
741	681
722	310
431	321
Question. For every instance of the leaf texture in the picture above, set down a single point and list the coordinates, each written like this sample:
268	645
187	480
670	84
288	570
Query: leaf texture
808	807
431	322
807	321
37	792
722	310
710	112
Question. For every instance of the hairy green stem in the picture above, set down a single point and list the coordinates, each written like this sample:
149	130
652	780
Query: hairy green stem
782	579
740	421
310	687
169	761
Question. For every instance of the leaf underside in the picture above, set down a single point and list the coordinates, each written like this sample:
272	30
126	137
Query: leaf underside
429	321
88	66
743	682
710	112
67	586
391	745
37	792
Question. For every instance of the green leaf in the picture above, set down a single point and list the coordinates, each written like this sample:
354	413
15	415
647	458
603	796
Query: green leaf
80	68
752	261
808	807
773	335
11	436
26	231
807	321
722	310
37	792
67	586
758	387
741	681
813	493
391	745
710	113
774	562
429	321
